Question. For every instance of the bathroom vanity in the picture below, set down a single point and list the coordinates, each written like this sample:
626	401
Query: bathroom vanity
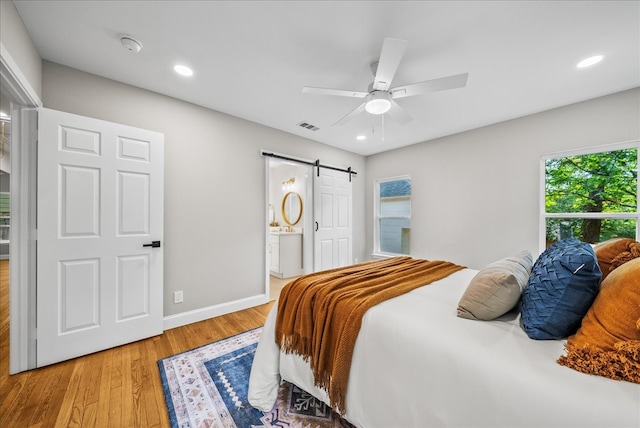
286	254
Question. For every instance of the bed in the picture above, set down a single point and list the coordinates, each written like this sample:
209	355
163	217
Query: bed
417	364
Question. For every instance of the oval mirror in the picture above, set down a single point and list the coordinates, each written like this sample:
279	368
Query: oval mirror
291	208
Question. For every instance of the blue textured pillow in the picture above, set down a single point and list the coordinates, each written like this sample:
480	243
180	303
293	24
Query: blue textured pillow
564	282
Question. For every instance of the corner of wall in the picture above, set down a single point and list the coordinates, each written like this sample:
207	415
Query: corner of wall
18	52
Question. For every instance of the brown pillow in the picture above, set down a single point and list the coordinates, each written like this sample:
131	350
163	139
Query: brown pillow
608	341
608	250
613	316
626	256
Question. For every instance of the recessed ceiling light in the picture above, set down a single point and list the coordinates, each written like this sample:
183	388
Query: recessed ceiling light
361	137
183	70
588	62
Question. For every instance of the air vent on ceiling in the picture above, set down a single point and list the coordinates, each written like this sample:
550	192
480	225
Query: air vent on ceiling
308	126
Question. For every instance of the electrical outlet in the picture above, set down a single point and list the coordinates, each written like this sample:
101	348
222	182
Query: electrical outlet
178	297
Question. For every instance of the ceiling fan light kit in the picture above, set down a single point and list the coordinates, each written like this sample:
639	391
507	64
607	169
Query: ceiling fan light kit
381	97
379	102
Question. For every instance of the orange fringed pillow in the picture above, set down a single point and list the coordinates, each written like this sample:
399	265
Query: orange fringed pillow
626	256
608	341
621	364
608	250
615	311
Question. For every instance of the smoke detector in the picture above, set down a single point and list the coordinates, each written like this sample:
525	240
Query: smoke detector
130	44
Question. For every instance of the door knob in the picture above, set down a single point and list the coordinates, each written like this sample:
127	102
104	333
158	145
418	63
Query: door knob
154	244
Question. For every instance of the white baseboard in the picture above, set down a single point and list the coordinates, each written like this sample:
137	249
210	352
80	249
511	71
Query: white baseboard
184	318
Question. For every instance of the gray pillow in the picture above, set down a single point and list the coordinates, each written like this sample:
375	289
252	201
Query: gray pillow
496	289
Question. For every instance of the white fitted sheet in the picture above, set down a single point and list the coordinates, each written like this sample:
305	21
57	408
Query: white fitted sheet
416	364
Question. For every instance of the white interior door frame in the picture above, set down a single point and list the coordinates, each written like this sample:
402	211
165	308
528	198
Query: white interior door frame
307	242
22	247
267	219
22	355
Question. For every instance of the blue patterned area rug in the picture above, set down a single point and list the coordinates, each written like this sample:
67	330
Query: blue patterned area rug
207	387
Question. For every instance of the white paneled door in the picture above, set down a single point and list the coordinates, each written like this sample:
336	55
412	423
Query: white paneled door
100	208
333	219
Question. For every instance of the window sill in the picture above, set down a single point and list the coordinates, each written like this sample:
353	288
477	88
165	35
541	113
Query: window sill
377	256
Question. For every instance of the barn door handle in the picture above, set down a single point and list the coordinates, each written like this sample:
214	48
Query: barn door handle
316	226
154	244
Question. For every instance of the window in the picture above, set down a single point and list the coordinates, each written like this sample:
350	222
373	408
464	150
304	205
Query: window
592	196
392	232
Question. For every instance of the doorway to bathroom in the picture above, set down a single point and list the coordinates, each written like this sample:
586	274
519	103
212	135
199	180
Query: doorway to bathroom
289	251
308	219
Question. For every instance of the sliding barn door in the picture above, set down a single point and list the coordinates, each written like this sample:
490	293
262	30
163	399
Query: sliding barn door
100	207
333	219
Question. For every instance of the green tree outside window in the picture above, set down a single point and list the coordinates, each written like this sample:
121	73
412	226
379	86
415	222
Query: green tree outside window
579	188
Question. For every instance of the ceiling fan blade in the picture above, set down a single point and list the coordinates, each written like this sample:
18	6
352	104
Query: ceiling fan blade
398	114
353	113
338	92
390	56
440	84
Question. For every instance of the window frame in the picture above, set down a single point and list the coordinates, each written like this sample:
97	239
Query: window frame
633	144
377	217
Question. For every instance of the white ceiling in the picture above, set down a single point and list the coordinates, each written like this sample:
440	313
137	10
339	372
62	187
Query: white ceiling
252	58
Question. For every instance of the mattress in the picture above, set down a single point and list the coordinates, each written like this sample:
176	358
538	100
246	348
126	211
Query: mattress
416	364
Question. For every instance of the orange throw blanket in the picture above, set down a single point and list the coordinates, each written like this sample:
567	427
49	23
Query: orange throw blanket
319	315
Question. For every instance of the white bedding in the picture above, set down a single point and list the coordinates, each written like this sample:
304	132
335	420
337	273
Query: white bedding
416	364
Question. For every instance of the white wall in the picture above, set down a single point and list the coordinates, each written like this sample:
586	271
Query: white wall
215	198
16	40
475	195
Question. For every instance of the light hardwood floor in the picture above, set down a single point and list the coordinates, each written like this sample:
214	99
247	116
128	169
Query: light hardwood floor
276	285
118	387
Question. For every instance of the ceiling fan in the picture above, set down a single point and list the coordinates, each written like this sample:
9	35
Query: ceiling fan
381	97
